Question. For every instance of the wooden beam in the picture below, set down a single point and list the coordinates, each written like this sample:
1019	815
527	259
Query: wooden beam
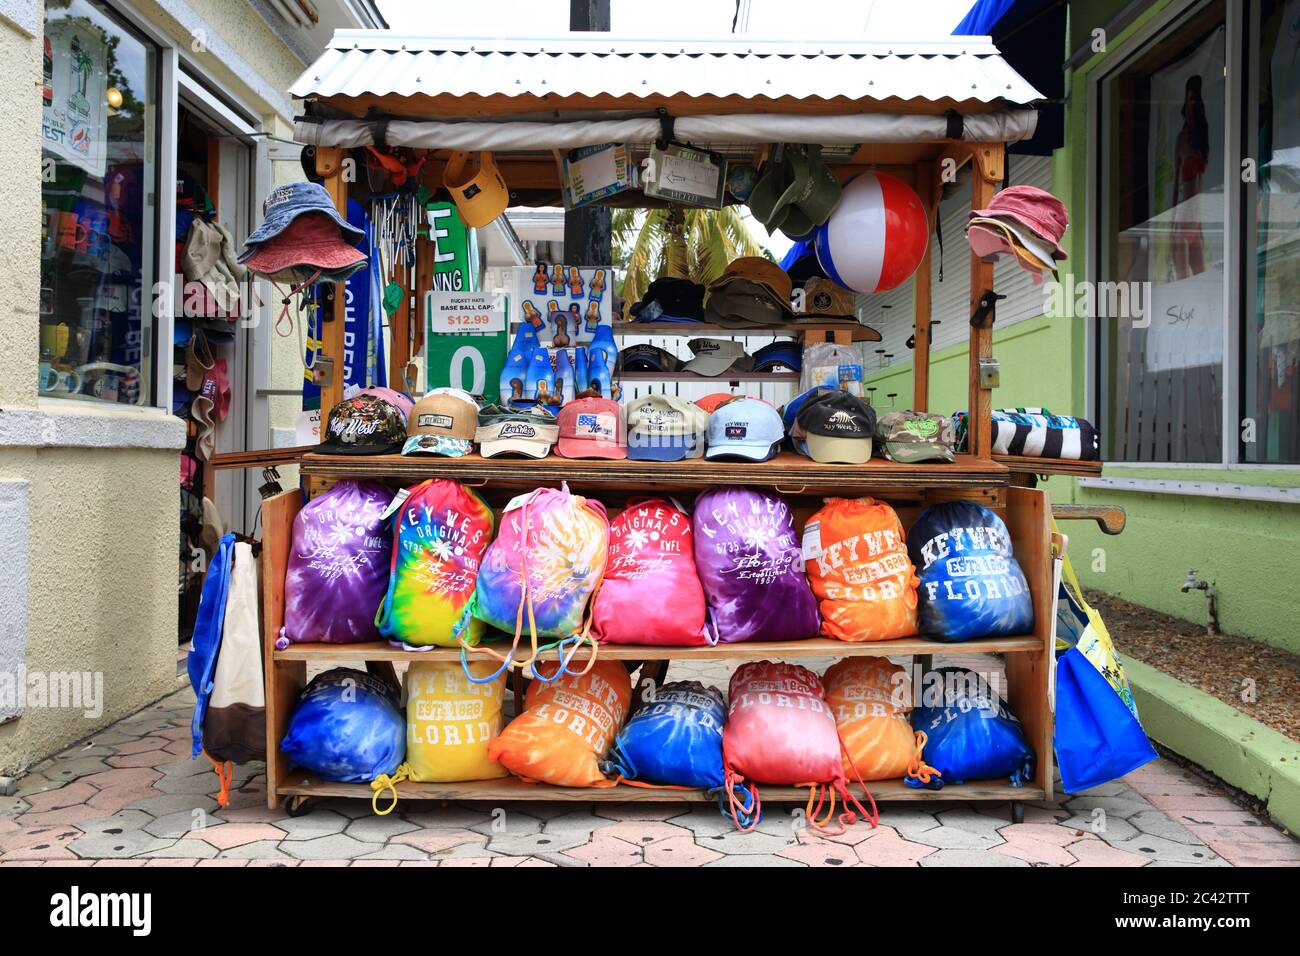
921	296
328	164
980	411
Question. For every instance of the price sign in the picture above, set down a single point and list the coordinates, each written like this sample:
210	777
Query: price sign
466	342
464	312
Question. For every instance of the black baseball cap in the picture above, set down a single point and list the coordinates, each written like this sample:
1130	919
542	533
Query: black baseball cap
837	427
668	298
364	424
647	358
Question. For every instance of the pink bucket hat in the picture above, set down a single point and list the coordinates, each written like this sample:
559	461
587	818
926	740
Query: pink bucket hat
1036	208
312	239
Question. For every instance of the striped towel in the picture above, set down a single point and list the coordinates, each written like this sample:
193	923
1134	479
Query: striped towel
1037	433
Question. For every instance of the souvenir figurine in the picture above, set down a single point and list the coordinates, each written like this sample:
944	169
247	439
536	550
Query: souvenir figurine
592	318
596	288
557	280
575	282
531	315
540	278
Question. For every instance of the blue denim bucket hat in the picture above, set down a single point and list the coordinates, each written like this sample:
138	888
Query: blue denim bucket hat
286	203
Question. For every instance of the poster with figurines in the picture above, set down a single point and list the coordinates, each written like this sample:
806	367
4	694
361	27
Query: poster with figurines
564	303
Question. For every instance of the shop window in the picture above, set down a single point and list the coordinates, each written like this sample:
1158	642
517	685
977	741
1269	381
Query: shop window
1271	337
98	175
1161	209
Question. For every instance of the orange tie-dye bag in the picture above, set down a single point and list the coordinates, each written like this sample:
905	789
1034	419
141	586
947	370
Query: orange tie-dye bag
567	727
870	698
857	564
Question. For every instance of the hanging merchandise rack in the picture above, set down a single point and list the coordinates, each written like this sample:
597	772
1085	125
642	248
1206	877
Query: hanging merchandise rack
918	111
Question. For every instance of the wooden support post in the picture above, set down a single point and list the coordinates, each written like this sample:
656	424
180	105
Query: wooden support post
400	324
986	171
927	189
329	165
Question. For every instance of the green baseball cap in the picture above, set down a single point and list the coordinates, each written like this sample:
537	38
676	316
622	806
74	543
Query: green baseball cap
915	436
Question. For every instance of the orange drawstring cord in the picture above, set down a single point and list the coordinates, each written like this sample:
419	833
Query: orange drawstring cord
753	812
225	774
918	769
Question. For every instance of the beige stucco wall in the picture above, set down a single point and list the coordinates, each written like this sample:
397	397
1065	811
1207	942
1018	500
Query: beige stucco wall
100	482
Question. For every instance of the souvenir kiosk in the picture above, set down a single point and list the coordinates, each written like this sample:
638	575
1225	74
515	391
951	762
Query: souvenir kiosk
918	111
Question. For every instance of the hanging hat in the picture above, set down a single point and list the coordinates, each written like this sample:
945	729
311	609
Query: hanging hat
310	242
795	192
1036	208
479	192
287	203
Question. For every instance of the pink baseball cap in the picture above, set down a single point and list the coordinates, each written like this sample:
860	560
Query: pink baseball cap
1036	208
592	428
311	239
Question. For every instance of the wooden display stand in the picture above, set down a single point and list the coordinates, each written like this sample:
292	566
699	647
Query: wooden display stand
1027	511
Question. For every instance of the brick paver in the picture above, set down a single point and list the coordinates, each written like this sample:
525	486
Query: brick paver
132	797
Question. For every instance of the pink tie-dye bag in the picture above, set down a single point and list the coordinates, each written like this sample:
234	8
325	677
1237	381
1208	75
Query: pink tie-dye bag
541	572
651	593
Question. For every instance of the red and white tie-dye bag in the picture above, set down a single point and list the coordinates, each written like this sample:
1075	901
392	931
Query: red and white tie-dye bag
781	731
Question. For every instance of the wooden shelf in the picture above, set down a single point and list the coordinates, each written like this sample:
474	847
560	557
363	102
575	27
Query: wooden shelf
1021	464
787	472
858	331
744	650
693	377
302	784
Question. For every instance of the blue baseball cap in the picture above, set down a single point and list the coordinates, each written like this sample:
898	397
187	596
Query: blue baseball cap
783	352
286	203
791	411
747	428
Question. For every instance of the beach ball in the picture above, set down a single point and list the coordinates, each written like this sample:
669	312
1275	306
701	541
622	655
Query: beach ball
877	235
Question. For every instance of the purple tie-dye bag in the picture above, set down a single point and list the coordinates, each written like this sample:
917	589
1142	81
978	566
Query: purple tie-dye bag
338	567
749	561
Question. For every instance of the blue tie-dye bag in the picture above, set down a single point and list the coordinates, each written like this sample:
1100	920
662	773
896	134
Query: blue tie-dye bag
971	584
674	740
970	734
348	727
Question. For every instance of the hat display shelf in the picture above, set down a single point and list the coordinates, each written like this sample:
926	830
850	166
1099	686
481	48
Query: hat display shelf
874	122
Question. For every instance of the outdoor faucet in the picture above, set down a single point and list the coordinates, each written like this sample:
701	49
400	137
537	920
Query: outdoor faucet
1193	583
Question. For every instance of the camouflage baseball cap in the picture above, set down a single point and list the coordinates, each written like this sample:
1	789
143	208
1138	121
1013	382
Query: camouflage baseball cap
364	425
915	436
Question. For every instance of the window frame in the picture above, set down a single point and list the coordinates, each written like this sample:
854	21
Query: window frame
1241	24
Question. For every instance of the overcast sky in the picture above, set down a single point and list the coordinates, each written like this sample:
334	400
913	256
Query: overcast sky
681	19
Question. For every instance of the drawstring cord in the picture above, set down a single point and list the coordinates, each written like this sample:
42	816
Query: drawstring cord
388	782
225	774
919	773
286	300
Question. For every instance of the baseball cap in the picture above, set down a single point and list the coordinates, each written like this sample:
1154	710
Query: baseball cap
507	431
782	352
665	428
448	419
671	300
790	415
747	428
915	436
710	402
364	425
591	428
648	358
837	427
715	356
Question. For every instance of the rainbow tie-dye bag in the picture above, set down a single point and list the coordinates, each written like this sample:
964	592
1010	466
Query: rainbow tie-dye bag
542	571
440	533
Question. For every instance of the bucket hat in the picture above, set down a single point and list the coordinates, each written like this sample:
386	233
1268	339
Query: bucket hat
311	239
1036	208
286	203
668	299
795	192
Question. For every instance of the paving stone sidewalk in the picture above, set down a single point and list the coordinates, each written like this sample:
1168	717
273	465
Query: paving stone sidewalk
131	796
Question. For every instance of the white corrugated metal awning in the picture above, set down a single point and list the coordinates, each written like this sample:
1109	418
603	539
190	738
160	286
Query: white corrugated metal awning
382	62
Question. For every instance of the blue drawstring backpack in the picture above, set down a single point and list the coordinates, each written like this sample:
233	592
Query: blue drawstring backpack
1097	737
675	739
348	727
206	642
971	585
970	733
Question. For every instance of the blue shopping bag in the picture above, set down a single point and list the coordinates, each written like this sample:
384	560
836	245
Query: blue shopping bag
1097	737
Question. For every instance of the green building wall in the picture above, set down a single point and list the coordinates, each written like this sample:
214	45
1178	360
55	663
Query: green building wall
1249	549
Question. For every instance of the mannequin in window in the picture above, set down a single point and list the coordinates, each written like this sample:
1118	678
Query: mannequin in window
1191	159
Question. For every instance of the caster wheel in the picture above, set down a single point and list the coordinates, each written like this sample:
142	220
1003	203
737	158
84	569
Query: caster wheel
298	806
1017	811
